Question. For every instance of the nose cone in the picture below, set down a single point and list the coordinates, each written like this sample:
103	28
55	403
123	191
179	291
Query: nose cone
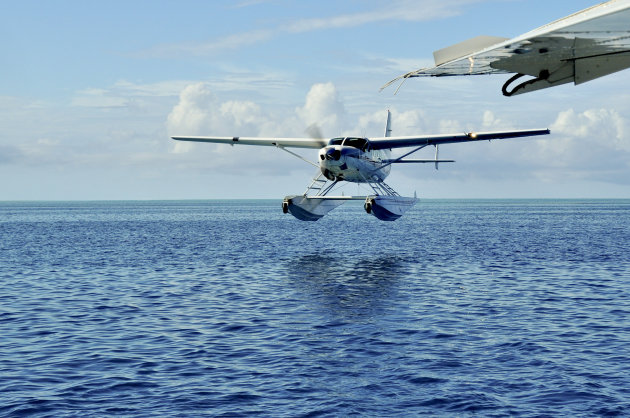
336	153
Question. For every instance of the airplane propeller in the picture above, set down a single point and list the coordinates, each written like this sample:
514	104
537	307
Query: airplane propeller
314	131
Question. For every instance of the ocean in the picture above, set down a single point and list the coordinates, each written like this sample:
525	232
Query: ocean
231	308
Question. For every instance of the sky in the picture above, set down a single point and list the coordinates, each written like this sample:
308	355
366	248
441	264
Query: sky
90	93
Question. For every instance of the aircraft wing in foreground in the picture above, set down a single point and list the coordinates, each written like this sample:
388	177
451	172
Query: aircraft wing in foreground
359	160
578	48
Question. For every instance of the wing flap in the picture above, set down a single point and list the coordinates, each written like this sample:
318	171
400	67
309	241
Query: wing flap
465	48
587	69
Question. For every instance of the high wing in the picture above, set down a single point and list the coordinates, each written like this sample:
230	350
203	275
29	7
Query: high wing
578	48
410	141
273	142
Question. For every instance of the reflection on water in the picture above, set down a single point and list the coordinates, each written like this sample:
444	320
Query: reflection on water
345	287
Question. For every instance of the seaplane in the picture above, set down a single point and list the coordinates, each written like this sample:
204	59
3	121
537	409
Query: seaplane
579	48
366	161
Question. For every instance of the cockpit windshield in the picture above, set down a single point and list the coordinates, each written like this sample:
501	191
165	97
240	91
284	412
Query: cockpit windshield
359	143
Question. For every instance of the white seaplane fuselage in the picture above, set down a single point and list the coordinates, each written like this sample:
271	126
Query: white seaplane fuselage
352	159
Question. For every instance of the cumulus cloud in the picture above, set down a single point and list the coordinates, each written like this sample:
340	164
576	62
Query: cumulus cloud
200	113
194	110
603	126
587	145
323	108
492	122
586	138
584	145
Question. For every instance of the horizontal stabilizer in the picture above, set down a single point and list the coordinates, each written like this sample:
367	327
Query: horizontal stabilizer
418	161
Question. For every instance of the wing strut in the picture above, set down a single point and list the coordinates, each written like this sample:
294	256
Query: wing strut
297	155
437	151
400	158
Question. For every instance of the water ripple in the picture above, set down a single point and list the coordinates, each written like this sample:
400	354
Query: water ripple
492	308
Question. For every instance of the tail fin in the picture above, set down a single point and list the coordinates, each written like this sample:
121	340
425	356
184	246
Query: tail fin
388	127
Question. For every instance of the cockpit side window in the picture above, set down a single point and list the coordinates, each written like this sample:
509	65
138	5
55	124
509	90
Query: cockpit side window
336	141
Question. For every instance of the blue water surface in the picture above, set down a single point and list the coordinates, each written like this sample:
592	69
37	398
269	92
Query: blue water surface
231	308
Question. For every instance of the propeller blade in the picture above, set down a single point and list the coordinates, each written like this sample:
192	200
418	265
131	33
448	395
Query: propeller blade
314	132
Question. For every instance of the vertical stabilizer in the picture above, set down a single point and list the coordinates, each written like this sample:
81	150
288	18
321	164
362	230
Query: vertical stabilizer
388	127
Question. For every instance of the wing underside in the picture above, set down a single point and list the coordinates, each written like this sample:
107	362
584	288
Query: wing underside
375	143
411	141
579	48
272	142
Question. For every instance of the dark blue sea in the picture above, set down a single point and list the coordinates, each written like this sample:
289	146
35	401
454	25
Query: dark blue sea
231	308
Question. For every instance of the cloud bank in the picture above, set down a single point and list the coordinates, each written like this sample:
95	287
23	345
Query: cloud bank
590	145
